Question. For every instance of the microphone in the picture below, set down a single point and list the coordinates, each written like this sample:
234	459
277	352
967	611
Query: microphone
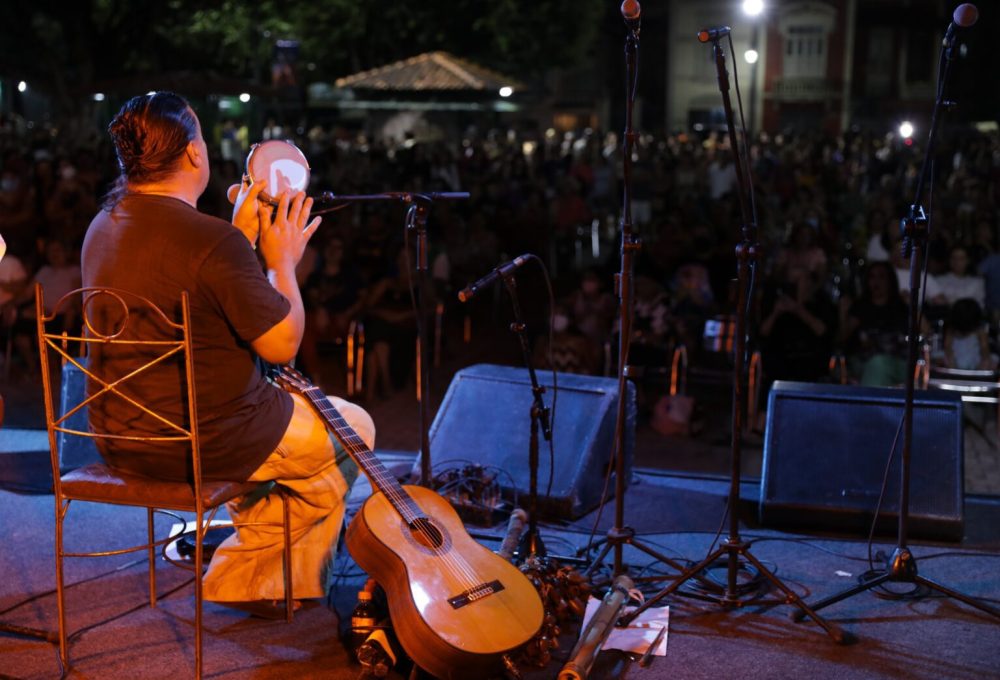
707	34
515	527
505	269
632	14
964	16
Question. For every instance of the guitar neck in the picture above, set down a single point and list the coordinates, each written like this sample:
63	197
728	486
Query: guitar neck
369	463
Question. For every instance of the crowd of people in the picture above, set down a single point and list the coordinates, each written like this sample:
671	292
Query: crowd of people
830	275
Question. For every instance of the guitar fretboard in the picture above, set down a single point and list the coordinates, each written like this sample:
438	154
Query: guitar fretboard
369	463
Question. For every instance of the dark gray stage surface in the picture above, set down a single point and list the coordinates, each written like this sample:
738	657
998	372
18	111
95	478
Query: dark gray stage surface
119	637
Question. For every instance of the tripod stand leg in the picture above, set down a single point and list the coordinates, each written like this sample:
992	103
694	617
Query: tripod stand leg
933	585
599	560
690	573
793	598
657	555
844	594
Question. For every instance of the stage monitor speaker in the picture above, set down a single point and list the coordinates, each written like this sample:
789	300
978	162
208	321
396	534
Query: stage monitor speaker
485	419
825	454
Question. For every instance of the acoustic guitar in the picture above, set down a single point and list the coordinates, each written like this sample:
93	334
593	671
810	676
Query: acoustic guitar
455	606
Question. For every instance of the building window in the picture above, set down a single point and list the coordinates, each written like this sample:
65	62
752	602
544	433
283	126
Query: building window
921	53
805	52
878	64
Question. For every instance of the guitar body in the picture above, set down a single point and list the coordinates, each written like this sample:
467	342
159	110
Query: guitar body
455	606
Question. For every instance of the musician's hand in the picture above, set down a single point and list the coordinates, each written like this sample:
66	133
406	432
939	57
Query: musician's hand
246	207
284	235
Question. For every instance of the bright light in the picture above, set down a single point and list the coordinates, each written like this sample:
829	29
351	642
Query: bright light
98	96
151	93
751	56
506	91
22	86
753	7
245	97
906	129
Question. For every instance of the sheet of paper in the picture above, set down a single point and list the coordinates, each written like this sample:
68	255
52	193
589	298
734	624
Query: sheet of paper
639	634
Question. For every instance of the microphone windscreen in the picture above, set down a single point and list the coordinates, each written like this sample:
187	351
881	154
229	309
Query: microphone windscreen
631	9
965	15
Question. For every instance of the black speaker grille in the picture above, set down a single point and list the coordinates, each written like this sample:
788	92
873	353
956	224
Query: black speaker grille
826	450
485	418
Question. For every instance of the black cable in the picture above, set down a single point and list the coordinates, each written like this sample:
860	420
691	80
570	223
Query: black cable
555	377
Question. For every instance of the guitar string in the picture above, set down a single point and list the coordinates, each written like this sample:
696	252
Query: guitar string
391	489
404	504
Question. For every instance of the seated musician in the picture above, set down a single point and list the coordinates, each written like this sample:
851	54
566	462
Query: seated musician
150	239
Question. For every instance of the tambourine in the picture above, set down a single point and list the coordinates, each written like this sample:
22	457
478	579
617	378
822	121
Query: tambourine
282	164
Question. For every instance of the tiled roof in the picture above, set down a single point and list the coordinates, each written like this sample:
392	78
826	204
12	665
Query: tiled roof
429	71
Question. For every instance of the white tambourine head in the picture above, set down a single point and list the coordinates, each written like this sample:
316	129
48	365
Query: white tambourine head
282	164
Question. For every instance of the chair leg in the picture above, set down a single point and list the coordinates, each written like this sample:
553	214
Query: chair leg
61	509
151	554
198	559
289	596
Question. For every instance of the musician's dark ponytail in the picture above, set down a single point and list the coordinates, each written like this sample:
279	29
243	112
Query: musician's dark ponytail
150	133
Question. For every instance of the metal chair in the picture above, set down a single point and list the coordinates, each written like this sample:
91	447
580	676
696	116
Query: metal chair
975	386
100	483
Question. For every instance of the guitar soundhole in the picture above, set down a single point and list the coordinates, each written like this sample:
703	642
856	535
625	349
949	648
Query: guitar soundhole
426	534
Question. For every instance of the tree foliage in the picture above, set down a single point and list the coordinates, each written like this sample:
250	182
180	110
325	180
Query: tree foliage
65	48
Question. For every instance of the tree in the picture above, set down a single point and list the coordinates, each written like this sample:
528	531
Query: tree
65	48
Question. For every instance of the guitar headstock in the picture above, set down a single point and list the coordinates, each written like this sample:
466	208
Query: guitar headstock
290	379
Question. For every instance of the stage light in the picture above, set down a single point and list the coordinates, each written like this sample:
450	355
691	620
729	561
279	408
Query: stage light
245	97
506	91
906	129
98	96
753	7
22	86
751	56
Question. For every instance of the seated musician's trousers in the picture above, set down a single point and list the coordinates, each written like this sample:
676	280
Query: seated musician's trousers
318	474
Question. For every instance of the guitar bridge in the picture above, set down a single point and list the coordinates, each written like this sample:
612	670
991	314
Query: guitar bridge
475	593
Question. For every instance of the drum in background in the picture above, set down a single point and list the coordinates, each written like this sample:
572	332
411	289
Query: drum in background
282	164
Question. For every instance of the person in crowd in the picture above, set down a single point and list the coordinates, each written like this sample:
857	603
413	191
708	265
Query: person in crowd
932	296
797	331
17	201
961	281
150	239
880	236
69	206
966	341
874	332
692	302
390	329
334	295
989	269
571	351
593	308
59	275
800	255
13	279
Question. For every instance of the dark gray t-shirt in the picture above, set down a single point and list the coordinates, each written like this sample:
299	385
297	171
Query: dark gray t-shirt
157	247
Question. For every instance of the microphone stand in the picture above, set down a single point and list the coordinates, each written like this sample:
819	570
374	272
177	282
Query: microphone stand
735	547
416	222
619	535
901	565
531	542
